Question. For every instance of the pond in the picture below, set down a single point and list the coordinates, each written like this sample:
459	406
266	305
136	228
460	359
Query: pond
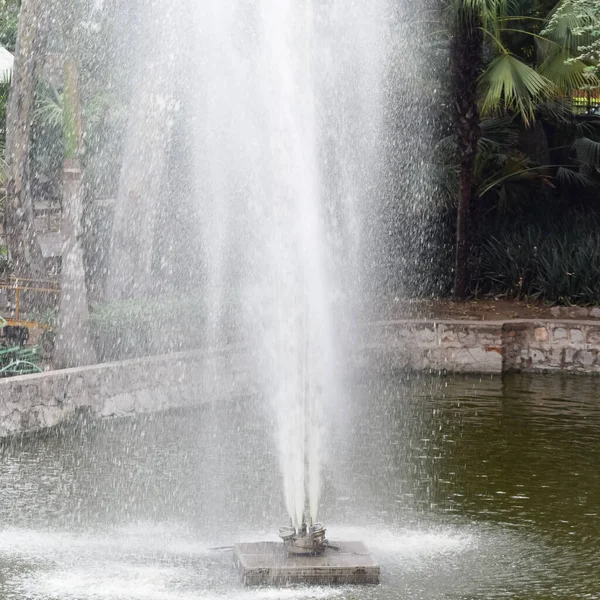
462	487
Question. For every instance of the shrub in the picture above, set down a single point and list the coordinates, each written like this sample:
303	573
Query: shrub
559	264
134	328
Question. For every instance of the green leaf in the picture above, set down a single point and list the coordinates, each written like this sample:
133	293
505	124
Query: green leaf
509	84
587	151
570	178
566	75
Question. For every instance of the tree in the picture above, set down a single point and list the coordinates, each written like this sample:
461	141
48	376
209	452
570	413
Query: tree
583	18
31	42
524	70
9	23
466	56
73	344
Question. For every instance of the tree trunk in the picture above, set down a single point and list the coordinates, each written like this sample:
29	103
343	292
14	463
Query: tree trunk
466	58
73	344
31	41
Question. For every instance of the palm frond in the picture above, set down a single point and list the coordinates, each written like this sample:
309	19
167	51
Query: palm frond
558	111
49	110
570	178
497	133
517	169
565	74
445	179
509	84
446	148
587	151
485	11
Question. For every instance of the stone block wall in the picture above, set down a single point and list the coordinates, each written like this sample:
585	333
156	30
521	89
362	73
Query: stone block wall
33	402
458	346
552	346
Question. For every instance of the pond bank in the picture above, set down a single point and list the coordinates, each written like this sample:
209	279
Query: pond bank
34	402
461	346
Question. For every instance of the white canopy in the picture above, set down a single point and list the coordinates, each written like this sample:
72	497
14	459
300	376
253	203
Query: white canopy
6	63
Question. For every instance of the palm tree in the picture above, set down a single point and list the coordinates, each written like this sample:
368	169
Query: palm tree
73	344
524	70
466	56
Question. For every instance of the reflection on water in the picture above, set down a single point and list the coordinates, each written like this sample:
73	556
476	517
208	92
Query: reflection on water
461	487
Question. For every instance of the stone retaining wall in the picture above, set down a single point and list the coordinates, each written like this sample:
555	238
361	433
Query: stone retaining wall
33	402
552	346
458	346
486	346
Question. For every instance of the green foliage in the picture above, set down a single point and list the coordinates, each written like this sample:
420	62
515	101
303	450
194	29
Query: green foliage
503	173
71	125
559	263
58	110
48	109
6	266
509	84
579	22
134	328
47	317
47	147
9	23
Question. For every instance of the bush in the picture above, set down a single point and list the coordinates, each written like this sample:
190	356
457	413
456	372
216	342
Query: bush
135	328
559	264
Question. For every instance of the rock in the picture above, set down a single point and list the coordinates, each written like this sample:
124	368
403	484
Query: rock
577	336
560	333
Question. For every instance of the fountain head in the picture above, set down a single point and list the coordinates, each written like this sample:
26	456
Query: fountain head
305	557
305	541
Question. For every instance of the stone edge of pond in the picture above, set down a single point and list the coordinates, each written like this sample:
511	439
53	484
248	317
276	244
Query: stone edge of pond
35	402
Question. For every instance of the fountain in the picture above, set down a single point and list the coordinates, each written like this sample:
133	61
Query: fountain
306	541
285	150
254	148
305	556
260	157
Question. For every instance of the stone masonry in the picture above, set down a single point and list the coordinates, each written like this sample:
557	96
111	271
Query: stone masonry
486	346
34	402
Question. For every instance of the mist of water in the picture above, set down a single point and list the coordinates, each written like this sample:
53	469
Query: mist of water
267	148
288	98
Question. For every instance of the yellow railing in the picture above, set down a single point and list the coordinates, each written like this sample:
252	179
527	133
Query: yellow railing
13	283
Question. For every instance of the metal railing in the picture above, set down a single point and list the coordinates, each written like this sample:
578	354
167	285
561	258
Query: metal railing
586	102
18	285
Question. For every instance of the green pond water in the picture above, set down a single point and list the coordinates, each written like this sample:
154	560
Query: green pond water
462	487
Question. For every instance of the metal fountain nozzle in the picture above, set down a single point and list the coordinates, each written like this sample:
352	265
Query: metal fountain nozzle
305	540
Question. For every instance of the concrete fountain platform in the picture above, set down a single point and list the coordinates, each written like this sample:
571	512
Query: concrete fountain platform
267	563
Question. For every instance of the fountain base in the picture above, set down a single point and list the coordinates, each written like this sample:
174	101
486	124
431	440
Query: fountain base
341	563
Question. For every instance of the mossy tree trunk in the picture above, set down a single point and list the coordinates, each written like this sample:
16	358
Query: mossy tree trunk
73	343
25	251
